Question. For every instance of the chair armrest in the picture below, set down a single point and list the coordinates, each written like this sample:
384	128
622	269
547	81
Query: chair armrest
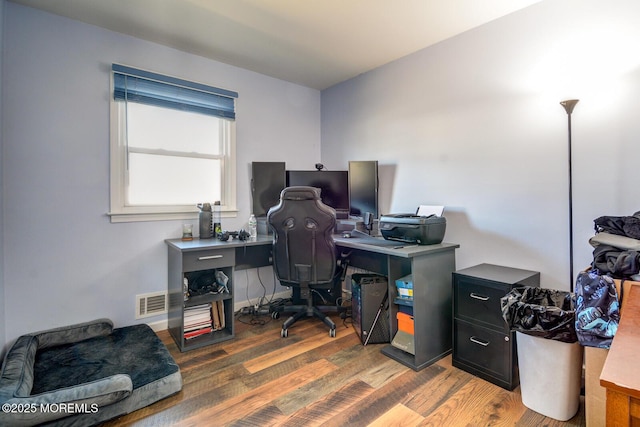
83	398
73	333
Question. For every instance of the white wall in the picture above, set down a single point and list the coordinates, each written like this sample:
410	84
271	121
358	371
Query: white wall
2	298
474	123
64	261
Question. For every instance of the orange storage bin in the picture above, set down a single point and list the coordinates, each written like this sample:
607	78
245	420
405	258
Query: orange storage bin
405	322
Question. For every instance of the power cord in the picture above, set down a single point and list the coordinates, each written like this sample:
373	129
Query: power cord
346	313
253	315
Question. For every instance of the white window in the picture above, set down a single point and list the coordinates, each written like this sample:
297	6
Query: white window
172	147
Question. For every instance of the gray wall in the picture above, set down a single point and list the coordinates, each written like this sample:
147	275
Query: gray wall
64	260
2	298
474	123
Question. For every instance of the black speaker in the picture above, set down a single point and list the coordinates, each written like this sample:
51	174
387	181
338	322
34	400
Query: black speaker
268	179
370	308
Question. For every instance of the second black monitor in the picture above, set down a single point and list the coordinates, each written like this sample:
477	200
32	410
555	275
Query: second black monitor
267	181
333	185
363	188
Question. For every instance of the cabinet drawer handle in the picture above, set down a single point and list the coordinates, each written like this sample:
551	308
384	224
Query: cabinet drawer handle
480	297
478	341
204	258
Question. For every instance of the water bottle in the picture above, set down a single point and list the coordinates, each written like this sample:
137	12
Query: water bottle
205	220
217	219
253	227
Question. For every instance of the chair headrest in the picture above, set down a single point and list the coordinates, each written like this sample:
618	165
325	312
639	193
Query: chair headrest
300	193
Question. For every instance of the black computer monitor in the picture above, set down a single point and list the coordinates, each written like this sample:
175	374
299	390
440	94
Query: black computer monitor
363	188
333	185
268	179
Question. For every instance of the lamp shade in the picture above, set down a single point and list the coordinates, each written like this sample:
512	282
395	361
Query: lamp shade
569	104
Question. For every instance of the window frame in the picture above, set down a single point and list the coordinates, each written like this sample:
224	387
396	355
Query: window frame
121	212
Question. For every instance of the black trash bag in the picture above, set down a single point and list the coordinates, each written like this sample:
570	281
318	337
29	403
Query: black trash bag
540	312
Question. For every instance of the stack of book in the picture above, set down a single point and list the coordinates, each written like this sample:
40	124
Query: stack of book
197	321
203	319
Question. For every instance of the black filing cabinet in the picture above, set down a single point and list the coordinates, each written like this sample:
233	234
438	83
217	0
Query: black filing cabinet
482	342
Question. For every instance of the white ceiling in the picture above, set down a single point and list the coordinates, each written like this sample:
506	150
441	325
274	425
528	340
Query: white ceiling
316	43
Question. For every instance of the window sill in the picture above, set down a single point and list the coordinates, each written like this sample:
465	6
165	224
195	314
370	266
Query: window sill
117	217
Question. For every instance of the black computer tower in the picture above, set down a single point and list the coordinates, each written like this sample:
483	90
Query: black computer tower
370	308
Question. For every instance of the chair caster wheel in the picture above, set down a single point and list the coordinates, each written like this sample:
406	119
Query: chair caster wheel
275	315
284	333
332	333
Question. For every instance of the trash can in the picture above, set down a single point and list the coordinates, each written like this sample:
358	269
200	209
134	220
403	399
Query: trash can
549	354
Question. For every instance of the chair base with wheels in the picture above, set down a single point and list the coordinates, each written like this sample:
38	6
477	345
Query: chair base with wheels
308	310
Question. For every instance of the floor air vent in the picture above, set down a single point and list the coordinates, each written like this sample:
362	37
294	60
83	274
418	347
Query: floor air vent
151	304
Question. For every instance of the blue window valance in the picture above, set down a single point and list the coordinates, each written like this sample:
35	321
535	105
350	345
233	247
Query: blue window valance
131	84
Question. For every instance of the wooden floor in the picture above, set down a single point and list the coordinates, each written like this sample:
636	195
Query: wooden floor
310	379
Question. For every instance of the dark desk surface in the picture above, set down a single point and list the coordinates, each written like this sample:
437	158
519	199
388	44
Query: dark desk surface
371	244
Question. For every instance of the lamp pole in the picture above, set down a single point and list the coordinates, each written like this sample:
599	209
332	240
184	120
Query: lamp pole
568	107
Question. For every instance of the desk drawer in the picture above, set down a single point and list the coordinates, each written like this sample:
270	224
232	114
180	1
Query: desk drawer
479	301
208	259
485	351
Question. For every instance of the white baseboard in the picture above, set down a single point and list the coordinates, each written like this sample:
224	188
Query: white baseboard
237	305
160	325
163	324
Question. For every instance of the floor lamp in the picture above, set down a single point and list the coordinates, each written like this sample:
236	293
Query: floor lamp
568	107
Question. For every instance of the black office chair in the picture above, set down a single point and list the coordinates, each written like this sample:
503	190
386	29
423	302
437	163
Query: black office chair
304	254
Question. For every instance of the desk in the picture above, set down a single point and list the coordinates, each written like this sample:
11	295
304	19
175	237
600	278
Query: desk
190	256
431	266
621	374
